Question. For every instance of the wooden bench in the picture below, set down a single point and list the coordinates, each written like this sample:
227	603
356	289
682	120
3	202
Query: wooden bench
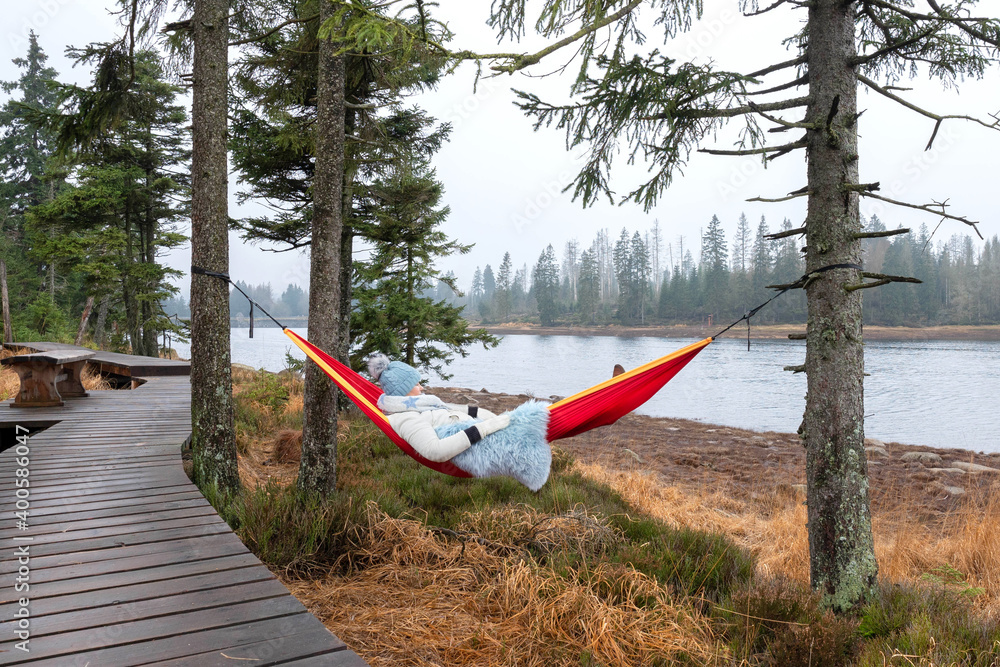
48	377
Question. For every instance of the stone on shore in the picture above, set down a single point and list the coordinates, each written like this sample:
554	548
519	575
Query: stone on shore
874	451
972	467
950	490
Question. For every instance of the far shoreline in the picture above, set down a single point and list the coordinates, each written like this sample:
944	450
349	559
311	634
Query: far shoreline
761	332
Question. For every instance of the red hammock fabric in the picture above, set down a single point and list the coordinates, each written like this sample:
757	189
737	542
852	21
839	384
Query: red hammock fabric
600	405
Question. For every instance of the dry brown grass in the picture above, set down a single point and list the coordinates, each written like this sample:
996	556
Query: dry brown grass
287	446
9	382
907	546
424	601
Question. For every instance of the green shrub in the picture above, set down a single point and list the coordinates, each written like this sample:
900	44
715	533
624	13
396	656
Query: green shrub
780	622
934	623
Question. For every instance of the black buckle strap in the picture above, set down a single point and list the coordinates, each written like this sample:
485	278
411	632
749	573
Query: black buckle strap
253	304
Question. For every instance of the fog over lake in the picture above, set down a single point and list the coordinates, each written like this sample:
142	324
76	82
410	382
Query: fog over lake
934	393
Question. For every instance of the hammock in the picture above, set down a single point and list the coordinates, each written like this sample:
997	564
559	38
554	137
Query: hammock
600	405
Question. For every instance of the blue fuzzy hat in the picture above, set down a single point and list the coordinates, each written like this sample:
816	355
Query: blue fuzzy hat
396	378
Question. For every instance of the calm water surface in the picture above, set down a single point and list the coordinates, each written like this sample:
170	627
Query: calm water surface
935	393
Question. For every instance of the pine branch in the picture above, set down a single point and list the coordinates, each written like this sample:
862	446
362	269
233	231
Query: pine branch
961	24
801	81
267	34
733	111
757	151
892	47
780	121
526	60
801	60
177	26
937	208
775	5
939	118
879	235
786	233
791	195
891	278
882	279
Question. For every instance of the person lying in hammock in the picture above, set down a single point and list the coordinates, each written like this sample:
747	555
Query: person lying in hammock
476	440
414	415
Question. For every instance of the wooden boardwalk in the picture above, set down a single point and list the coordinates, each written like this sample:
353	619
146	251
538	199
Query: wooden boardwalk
128	563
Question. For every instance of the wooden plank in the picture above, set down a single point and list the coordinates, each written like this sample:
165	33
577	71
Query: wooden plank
89	577
195	644
175	598
172	551
115	541
73	569
79	521
73	490
115	643
53	515
147	590
52	481
311	646
130	530
98	495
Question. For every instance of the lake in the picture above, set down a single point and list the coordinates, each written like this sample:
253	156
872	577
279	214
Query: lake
934	393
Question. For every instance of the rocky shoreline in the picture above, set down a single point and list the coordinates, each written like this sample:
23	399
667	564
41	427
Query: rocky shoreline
749	463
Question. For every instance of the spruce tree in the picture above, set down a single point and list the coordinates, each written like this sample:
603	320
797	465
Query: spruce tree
545	286
503	289
26	147
126	196
393	315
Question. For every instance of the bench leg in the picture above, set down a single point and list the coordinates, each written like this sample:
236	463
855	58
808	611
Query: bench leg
71	386
38	386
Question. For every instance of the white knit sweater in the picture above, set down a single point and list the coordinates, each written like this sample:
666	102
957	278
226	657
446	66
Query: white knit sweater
414	418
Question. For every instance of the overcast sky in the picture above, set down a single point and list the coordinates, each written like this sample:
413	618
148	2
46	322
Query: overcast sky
502	180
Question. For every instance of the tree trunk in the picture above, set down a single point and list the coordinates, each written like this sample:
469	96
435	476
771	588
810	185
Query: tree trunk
841	551
102	318
318	468
83	320
8	332
343	354
213	438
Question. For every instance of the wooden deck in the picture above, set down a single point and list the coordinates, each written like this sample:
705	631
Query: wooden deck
129	565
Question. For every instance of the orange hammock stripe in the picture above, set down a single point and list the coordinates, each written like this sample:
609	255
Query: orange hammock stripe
600	405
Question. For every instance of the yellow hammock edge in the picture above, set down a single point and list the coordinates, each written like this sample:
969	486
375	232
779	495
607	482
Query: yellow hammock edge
341	382
635	371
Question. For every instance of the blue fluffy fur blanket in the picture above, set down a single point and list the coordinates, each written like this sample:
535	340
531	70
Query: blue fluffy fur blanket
519	451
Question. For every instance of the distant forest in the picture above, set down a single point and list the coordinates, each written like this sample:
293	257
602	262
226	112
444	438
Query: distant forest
632	281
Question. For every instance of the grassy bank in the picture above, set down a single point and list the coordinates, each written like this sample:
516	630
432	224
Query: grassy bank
601	567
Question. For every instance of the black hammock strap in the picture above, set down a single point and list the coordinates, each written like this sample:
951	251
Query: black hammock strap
800	283
253	304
